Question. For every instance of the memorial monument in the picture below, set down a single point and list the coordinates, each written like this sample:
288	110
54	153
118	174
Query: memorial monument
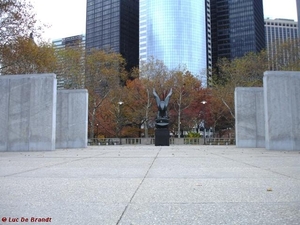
28	112
269	116
35	116
162	134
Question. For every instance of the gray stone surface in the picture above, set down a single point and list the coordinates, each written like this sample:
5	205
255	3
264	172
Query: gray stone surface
71	118
249	117
211	213
152	185
282	107
27	112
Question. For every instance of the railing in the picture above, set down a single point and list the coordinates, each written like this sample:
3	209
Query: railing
193	141
151	141
103	141
220	141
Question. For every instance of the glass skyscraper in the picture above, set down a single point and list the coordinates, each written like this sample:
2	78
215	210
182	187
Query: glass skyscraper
114	25
174	31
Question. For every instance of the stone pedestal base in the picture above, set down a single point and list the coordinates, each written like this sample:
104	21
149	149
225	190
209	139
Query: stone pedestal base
162	137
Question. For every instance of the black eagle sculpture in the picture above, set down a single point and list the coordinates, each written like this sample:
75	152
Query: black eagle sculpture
162	119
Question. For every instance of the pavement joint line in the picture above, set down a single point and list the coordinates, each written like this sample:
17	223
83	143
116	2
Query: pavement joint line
146	174
258	167
48	166
219	203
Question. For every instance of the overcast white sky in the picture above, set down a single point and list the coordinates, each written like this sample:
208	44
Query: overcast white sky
67	17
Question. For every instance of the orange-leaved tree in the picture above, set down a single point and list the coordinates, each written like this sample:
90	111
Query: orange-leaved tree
139	105
185	87
104	70
24	56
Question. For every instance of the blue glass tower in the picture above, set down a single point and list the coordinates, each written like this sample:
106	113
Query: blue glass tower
174	31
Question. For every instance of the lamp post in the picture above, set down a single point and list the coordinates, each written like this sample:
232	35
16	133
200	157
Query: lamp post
97	132
120	103
204	130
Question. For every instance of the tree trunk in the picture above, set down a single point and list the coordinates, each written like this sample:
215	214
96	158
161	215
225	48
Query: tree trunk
179	114
231	113
146	128
178	131
92	132
147	115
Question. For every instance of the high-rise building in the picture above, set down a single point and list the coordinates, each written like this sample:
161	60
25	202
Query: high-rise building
208	42
298	14
279	31
237	28
114	25
77	41
73	41
175	32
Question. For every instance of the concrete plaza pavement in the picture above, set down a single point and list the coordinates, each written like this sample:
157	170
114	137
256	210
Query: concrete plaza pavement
140	185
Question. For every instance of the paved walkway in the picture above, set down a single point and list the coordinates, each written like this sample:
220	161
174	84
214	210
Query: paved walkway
142	185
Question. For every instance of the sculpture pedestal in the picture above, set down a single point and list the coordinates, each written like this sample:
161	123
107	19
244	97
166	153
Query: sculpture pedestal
162	137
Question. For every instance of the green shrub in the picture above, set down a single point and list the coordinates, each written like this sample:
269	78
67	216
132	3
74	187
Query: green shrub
193	135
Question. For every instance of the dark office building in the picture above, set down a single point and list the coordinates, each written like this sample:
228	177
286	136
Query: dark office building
237	27
114	25
298	15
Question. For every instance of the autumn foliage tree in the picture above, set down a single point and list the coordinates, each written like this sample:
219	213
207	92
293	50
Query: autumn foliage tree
185	87
70	66
24	56
17	19
199	112
139	105
285	55
18	51
151	73
103	72
246	71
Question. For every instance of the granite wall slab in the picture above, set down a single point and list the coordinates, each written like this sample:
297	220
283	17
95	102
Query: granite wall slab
72	118
282	110
27	112
249	117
